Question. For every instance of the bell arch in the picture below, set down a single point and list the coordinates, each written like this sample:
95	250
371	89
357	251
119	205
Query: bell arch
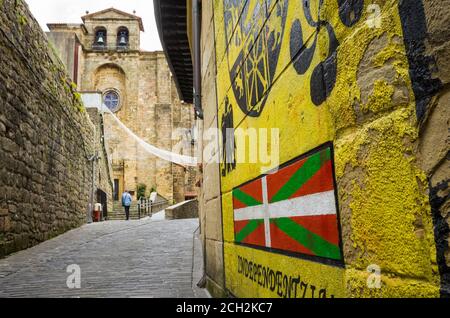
123	37
101	37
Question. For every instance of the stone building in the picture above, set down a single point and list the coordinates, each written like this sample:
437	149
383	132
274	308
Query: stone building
103	55
102	178
354	199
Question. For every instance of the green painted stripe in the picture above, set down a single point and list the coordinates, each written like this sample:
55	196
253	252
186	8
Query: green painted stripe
302	175
248	229
245	198
310	240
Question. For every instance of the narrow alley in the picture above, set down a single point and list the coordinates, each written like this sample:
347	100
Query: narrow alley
145	258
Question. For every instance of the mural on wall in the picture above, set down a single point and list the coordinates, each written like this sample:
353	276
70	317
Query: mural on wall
292	210
325	77
253	50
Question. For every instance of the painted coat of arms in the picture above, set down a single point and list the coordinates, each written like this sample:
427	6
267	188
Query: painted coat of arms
253	49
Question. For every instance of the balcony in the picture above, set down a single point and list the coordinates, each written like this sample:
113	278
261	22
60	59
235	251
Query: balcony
119	48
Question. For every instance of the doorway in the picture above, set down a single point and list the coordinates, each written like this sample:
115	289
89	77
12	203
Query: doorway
102	198
116	190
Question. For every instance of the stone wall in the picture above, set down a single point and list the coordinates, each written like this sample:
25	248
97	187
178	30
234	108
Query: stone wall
182	210
210	210
365	94
45	135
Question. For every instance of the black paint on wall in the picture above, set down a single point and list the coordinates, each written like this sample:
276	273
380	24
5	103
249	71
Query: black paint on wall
323	77
441	232
350	11
412	15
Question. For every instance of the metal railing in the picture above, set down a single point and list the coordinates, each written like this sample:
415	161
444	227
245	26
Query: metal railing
146	207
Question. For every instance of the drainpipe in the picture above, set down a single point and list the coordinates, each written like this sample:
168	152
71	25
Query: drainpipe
196	27
93	160
196	36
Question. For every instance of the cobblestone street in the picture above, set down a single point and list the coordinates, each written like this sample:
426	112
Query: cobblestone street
146	258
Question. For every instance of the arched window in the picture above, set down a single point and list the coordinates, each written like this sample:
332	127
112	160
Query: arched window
100	38
122	37
111	99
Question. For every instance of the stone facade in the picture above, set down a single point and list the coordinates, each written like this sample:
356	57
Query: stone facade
46	137
102	179
148	101
383	109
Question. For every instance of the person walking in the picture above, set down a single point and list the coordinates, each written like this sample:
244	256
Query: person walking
126	203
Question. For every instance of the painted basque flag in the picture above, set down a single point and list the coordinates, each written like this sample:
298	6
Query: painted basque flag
292	210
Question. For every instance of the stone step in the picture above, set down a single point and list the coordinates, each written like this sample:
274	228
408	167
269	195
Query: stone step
123	215
118	212
120	219
123	212
120	215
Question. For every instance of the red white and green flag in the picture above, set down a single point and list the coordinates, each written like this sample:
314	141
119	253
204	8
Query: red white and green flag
292	210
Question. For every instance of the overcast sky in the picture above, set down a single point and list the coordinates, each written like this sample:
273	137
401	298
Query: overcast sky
71	11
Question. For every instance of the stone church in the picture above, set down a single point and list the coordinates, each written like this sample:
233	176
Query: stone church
103	55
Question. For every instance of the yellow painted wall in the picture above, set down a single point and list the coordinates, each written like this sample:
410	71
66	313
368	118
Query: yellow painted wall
369	116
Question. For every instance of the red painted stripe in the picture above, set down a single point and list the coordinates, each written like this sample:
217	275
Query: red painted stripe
238	204
257	237
282	241
277	180
253	189
322	181
323	225
239	225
